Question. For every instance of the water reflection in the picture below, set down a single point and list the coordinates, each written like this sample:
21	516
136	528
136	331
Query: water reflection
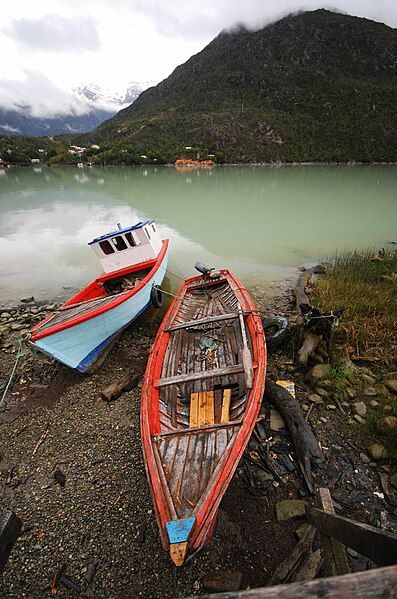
259	221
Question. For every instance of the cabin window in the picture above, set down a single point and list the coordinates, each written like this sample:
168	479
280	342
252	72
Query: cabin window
119	243
130	239
106	247
154	229
147	233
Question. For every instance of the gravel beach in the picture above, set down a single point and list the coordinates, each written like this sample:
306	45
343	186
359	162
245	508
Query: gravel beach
71	467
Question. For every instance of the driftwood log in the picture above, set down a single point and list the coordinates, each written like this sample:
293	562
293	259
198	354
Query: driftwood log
302	300
305	443
127	382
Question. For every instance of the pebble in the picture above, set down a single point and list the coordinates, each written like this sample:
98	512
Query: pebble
364	458
359	418
331	406
323	419
370	392
373	403
313	397
360	408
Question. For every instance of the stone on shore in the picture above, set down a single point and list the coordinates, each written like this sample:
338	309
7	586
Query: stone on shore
360	408
223	581
377	451
318	372
27	300
290	508
391	385
387	423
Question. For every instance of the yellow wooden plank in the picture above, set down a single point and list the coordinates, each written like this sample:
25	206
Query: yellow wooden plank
225	416
194	404
201	407
209	408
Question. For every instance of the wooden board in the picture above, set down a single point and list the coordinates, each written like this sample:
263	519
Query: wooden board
225	416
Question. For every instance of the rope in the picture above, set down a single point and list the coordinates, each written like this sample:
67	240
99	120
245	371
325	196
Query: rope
19	355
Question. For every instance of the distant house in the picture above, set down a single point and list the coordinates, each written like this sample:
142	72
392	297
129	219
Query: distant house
35	160
76	150
94	147
42	151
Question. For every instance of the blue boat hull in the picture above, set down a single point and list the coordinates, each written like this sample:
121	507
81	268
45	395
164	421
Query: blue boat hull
80	346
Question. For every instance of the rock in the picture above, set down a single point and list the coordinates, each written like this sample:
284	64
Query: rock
5	315
377	451
370	392
319	372
17	326
322	392
327	383
360	408
276	422
290	508
323	419
223	581
27	300
351	392
359	418
305	407
314	398
387	423
331	406
364	458
373	403
263	476
391	385
387	408
50	307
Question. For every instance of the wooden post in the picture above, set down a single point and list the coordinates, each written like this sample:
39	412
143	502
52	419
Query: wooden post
334	555
378	545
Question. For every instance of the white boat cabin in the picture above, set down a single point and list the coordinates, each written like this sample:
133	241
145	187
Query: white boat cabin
125	247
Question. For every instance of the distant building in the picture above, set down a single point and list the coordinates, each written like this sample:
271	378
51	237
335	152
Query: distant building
42	151
94	147
35	160
76	150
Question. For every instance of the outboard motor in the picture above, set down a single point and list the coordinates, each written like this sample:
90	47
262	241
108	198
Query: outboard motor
203	268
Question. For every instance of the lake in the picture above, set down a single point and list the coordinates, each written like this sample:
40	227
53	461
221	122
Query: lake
260	221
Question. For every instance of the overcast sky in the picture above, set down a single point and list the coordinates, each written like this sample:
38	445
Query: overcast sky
50	46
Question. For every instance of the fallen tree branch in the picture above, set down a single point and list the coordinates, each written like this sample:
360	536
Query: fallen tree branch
305	443
127	382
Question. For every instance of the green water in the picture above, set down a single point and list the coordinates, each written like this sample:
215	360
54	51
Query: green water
262	222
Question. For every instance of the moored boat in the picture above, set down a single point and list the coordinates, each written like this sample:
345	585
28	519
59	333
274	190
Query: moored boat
201	395
82	330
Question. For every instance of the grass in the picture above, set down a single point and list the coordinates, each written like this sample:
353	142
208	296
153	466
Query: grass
367	289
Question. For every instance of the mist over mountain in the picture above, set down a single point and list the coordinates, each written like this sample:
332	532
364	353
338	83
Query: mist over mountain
87	106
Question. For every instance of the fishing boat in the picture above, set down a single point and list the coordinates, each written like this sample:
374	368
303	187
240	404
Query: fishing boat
201	396
83	329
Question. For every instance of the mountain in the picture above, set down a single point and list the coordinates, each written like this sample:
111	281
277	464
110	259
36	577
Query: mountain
314	86
90	106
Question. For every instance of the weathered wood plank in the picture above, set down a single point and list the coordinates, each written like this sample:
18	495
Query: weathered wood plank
197	376
209	408
194	404
227	394
334	555
379	546
10	529
190	323
381	582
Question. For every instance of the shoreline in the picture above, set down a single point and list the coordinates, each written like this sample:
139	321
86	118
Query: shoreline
96	446
170	164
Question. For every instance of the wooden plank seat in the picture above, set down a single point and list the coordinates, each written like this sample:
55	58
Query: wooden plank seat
191	323
198	376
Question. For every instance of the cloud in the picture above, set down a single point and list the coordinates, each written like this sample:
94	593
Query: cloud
37	96
54	33
10	129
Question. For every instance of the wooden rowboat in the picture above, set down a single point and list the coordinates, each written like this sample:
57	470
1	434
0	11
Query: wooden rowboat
201	395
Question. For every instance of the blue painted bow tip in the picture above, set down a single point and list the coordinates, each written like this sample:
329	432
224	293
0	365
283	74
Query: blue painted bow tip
179	530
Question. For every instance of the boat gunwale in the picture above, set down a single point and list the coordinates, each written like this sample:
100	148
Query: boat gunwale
118	300
210	500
